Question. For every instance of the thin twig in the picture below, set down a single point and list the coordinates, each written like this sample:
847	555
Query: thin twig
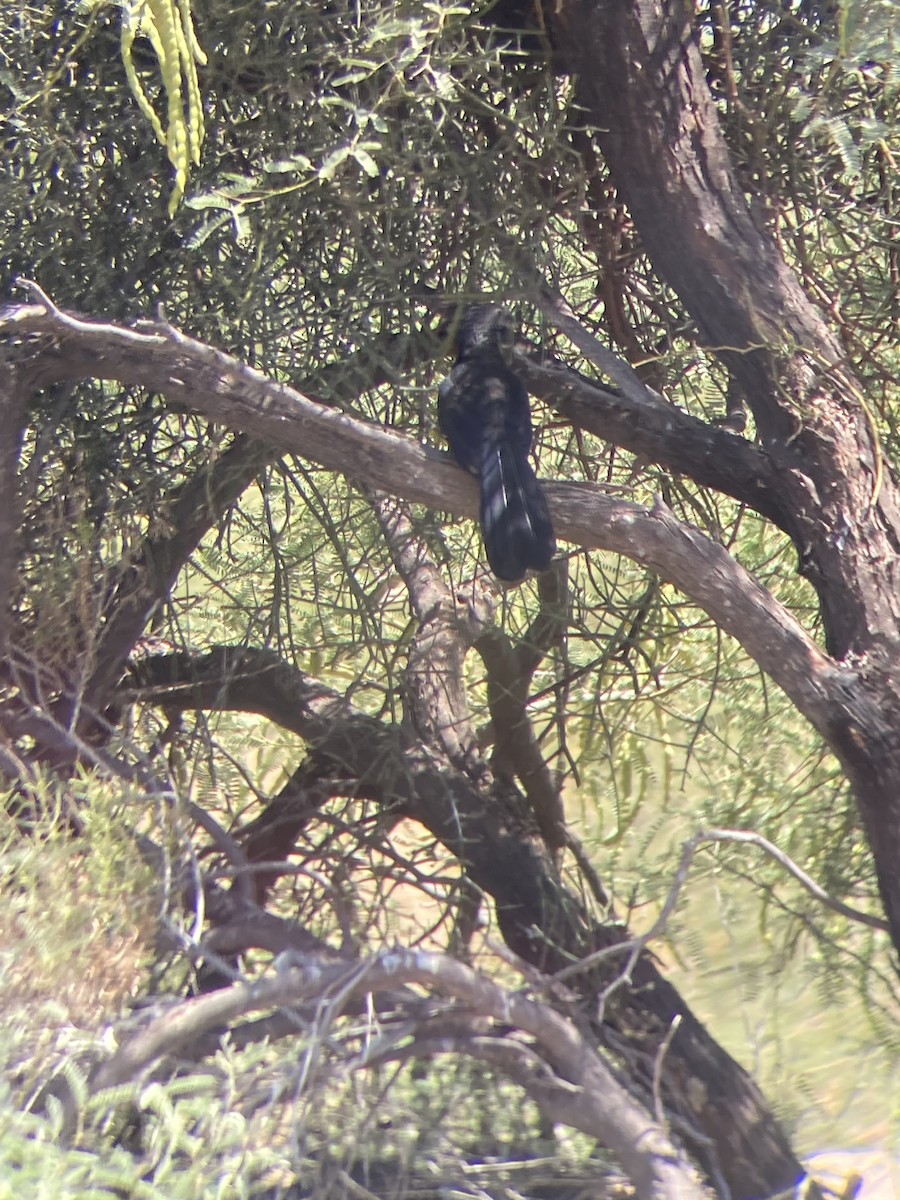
635	946
37	293
658	1063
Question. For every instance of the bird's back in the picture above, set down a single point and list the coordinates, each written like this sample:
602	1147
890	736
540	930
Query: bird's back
480	401
483	412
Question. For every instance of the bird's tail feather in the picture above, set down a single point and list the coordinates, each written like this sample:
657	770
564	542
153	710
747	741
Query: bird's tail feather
515	520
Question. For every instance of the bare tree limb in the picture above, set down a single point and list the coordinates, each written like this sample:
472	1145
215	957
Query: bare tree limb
613	1115
635	947
436	693
642	80
148	577
557	309
224	390
494	839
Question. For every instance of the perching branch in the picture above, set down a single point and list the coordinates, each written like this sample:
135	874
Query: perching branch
663	434
211	383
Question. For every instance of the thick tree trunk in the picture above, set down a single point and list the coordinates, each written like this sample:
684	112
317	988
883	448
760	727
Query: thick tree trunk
642	81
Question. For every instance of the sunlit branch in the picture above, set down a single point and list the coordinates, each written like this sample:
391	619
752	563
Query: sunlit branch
217	386
607	1109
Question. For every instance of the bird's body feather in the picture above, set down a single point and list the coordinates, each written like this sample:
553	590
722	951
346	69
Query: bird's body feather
483	411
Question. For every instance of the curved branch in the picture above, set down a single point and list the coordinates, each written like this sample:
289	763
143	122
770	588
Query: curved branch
642	86
193	375
145	577
705	572
749	837
614	1116
223	390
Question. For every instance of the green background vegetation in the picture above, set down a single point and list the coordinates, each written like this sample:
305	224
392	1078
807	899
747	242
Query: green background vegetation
357	162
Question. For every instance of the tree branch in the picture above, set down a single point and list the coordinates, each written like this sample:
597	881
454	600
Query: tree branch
613	1115
642	79
663	434
224	390
435	686
494	840
199	504
509	673
748	837
642	82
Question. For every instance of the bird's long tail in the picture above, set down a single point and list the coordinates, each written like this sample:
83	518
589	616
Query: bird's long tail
515	520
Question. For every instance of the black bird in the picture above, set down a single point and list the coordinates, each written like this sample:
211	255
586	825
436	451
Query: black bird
483	412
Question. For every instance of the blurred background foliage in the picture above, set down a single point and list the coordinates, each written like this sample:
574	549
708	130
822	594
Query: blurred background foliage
359	161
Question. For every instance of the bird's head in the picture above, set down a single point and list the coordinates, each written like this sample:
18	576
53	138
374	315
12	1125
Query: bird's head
486	328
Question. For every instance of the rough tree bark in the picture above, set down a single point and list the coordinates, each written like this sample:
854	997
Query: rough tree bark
822	476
